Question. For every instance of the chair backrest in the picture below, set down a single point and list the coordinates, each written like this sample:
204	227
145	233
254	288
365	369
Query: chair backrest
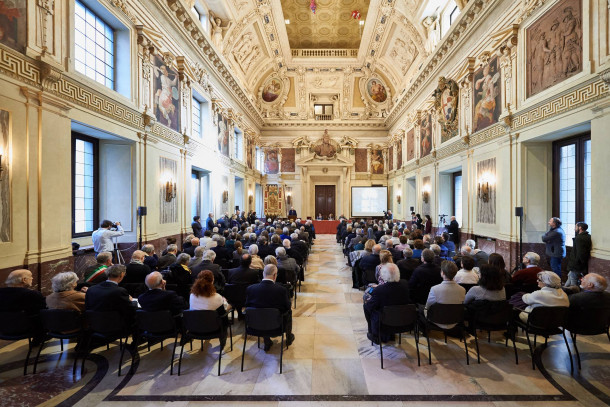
15	323
588	321
548	318
135	289
368	275
235	294
446	313
155	322
467	286
201	321
61	320
263	319
399	315
497	313
104	322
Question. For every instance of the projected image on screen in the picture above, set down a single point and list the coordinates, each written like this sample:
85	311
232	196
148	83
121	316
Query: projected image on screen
369	201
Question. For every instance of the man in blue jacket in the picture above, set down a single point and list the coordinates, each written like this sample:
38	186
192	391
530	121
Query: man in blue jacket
555	240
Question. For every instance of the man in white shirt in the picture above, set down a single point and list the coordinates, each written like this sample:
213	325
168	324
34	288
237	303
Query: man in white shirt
102	238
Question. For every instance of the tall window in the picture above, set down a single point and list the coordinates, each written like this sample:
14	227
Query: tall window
94	46
196	118
457	196
259	159
453	15
239	145
572	182
84	185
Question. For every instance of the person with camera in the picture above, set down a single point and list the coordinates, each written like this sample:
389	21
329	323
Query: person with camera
102	238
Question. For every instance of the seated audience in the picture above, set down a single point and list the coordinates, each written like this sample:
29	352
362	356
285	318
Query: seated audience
593	295
109	297
447	292
396	254
491	285
169	258
437	254
243	274
424	277
441	244
136	269
151	259
208	264
292	253
404	239
466	275
198	258
450	245
370	262
190	250
418	247
64	295
288	264
223	255
257	262
394	292
170	241
239	251
18	294
267	294
97	273
529	274
204	297
408	264
206	241
385	257
157	298
179	272
549	295
496	259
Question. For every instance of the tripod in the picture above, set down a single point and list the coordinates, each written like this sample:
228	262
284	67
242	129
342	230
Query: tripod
441	225
118	256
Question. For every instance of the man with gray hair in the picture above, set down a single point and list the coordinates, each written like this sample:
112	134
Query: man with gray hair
369	263
424	277
208	264
393	292
529	274
179	271
151	259
136	269
18	294
592	298
198	257
169	258
287	264
109	297
267	294
157	298
290	252
408	264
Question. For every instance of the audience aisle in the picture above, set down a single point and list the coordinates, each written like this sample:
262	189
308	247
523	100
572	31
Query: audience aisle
331	363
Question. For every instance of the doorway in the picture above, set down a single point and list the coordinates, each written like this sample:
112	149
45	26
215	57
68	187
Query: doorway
325	200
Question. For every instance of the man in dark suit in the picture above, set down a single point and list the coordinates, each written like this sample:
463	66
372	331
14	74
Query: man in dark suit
158	299
394	292
136	270
223	255
209	222
592	299
424	277
108	296
369	262
407	265
208	264
18	294
190	249
243	274
196	225
292	212
267	294
454	231
168	259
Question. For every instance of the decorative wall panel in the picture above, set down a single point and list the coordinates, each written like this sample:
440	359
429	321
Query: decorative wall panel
223	136
5	186
486	184
487	96
272	161
13	24
399	155
425	133
166	93
361	159
410	144
425	206
391	159
377	165
168	172
274	199
288	159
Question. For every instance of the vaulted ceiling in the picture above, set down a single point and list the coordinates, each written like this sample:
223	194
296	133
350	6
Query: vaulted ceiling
332	25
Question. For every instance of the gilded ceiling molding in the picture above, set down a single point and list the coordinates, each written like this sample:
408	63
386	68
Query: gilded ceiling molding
125	9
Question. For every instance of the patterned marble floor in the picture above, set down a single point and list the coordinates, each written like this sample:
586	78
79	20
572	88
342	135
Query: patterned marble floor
331	363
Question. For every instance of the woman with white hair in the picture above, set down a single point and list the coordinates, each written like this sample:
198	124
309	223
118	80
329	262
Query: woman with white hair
549	295
257	262
64	296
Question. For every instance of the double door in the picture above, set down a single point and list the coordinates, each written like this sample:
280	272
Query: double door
325	201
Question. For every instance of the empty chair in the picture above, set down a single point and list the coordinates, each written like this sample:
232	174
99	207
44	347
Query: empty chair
545	321
587	322
15	326
156	326
396	319
61	324
444	314
108	327
204	325
265	322
491	316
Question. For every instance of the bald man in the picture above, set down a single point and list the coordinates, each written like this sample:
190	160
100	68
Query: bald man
18	294
157	298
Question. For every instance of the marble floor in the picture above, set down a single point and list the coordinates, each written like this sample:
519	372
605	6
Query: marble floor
331	363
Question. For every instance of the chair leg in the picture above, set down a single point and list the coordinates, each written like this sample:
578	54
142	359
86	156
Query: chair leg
180	360
201	349
529	343
281	351
122	353
171	363
231	337
563	332
86	353
399	338
445	333
488	336
243	353
61	342
38	355
161	344
573	341
259	342
535	338
465	345
476	344
380	344
219	357
427	333
512	333
27	358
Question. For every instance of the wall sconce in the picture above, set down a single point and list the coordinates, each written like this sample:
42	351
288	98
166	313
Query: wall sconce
250	198
289	197
426	193
486	182
398	198
169	187
225	196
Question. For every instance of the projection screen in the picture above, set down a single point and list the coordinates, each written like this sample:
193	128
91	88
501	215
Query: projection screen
369	201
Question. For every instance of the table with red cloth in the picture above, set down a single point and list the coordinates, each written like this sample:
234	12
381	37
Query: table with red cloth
325	227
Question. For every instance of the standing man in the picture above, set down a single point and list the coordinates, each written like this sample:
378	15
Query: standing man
555	240
196	225
579	256
102	238
454	231
292	212
209	222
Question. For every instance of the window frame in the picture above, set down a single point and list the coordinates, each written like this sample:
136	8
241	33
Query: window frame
96	168
200	103
453	207
579	142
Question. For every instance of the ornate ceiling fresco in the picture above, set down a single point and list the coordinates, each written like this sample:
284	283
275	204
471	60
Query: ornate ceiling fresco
332	26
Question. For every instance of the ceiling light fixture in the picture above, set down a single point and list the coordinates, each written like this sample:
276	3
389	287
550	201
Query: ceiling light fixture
287	21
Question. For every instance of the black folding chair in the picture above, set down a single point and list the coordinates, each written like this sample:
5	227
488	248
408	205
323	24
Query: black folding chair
61	324
396	319
204	325
468	286
588	322
236	296
135	289
491	316
15	326
444	314
265	322
545	321
108	327
156	326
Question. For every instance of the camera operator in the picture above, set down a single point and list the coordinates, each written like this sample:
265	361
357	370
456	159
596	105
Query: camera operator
102	238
